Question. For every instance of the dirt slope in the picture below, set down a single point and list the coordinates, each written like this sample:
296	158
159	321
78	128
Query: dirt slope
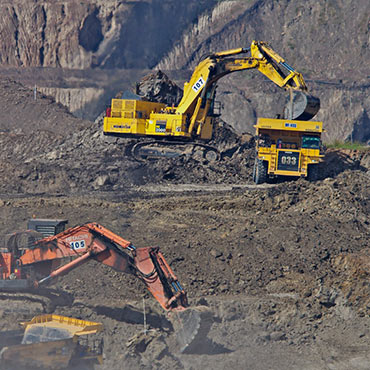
52	151
284	267
285	270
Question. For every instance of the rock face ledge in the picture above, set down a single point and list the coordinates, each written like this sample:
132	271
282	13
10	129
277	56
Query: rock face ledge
110	34
316	38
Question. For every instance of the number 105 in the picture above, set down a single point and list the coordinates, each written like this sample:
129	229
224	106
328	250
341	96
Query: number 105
77	245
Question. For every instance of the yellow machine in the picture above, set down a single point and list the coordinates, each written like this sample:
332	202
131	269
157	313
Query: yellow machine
54	342
287	148
194	117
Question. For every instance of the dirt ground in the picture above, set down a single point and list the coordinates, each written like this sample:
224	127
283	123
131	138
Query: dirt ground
284	267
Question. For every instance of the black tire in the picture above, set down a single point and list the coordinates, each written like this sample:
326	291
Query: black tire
313	172
260	171
254	172
211	156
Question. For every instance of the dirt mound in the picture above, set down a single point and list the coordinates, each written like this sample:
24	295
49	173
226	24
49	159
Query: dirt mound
157	87
28	112
58	153
283	269
87	160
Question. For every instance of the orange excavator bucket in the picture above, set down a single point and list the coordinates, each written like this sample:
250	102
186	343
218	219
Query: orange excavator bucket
191	324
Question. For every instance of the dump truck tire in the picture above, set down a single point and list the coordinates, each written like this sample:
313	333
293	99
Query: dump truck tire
254	172
260	171
313	172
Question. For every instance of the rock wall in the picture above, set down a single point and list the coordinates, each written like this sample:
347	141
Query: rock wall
108	34
328	39
328	42
74	98
344	108
323	39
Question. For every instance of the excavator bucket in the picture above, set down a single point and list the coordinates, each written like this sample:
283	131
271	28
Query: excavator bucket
191	327
301	106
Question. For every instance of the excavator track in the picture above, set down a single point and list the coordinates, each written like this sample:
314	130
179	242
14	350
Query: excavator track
49	298
155	149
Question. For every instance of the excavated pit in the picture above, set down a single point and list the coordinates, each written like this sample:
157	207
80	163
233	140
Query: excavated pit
283	267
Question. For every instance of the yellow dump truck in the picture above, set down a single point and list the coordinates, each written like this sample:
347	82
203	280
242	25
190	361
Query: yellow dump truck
287	148
53	342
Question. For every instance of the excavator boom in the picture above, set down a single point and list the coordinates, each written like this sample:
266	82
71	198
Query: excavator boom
38	262
93	241
293	79
217	65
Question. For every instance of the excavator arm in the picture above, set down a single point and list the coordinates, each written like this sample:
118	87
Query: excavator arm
273	66
32	265
200	90
93	241
263	58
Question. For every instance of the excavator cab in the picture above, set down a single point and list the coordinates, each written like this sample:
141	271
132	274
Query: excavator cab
47	227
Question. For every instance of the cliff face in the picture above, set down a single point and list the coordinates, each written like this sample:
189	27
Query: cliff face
328	42
328	39
43	34
108	34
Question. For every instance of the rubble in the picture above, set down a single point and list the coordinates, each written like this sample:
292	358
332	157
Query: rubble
157	87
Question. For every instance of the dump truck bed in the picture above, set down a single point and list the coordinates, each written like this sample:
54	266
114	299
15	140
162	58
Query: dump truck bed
291	125
50	341
71	325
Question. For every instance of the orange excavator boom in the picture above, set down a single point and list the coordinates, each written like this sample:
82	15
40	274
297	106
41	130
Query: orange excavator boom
39	260
93	241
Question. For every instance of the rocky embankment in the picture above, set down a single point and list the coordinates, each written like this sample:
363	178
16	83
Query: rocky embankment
93	51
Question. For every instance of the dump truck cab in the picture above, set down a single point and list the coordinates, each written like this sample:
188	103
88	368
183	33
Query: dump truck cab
287	148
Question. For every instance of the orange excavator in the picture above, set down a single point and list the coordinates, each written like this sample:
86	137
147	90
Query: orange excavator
32	260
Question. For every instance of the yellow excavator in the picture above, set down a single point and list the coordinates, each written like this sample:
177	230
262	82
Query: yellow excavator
194	118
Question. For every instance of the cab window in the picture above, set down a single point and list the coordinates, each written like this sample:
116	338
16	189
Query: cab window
310	142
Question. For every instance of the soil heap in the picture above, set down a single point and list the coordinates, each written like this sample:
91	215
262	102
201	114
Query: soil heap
157	87
52	151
